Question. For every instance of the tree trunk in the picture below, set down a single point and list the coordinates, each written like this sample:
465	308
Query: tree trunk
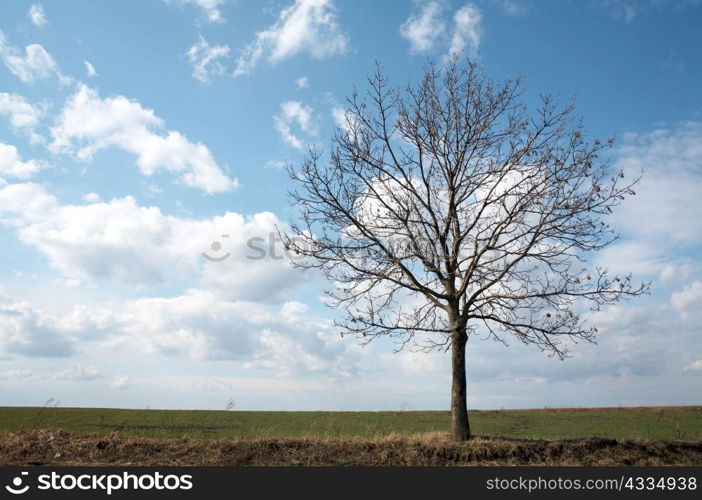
460	427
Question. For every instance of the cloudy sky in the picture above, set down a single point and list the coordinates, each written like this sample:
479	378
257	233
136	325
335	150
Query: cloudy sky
137	136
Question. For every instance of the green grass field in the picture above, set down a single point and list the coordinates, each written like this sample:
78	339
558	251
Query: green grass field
665	423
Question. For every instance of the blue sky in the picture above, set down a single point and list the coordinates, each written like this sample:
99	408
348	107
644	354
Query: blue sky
133	135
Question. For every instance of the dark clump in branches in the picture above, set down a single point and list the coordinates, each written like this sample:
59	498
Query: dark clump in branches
445	208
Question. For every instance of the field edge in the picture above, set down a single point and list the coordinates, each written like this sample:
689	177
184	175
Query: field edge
55	447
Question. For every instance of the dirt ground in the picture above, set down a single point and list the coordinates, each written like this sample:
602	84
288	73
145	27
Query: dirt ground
56	447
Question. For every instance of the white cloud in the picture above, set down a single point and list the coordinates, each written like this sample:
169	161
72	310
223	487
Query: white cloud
90	374
23	203
120	382
79	373
37	15
92	198
303	82
89	69
512	7
89	123
695	366
344	120
671	160
35	64
241	310
309	26
636	342
258	269
690	295
15	374
467	30
294	112
210	8
23	115
633	256
424	26
198	325
11	164
628	10
419	363
203	58
118	241
683	270
279	340
666	199
26	331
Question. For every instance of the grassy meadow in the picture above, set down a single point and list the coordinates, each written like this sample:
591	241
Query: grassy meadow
662	423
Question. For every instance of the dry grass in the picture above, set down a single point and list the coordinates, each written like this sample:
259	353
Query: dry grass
57	447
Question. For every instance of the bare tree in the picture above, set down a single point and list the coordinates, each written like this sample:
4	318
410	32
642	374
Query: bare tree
443	209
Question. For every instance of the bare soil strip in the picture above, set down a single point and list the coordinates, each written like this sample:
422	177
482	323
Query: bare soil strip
57	447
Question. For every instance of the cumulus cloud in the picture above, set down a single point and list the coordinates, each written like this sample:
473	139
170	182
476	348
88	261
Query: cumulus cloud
307	26
196	324
119	241
89	123
660	226
23	116
671	161
467	31
278	339
666	199
281	340
203	58
242	308
294	113
29	332
682	270
424	26
635	343
427	27
209	8
11	165
685	301
37	15
258	269
92	198
21	203
32	65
